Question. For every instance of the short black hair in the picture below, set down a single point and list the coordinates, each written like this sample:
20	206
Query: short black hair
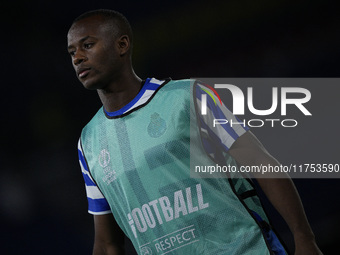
117	20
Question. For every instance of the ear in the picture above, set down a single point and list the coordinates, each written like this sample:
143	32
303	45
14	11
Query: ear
123	44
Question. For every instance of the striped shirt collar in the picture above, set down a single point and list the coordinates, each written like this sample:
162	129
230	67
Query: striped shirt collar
151	85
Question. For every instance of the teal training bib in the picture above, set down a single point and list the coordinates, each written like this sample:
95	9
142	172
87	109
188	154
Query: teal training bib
141	161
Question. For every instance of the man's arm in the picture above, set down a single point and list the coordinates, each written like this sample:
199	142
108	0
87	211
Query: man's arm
109	238
281	192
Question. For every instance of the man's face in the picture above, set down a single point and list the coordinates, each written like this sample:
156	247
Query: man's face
93	49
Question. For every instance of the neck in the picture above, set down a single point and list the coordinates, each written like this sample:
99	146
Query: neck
120	92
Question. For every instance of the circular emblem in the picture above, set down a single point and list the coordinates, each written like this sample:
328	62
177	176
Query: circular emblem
146	250
104	158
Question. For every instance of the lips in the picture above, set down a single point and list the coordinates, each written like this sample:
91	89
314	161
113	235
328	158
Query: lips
83	72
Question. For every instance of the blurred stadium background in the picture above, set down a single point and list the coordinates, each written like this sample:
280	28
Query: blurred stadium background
43	208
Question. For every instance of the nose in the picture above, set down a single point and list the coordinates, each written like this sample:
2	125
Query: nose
79	57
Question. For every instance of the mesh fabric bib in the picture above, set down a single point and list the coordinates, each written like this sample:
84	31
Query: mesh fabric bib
141	160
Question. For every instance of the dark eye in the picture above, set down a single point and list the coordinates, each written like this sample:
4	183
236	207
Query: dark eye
88	45
72	53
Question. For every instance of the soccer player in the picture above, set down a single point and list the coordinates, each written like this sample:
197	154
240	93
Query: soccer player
135	157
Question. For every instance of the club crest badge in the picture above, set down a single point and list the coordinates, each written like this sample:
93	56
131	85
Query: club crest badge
157	126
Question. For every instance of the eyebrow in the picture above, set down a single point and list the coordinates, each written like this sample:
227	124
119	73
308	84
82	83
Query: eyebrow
81	40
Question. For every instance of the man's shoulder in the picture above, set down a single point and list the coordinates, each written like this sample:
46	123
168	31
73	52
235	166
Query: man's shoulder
95	120
181	84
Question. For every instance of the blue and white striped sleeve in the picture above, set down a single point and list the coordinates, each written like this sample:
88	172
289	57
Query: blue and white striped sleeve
224	132
97	204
